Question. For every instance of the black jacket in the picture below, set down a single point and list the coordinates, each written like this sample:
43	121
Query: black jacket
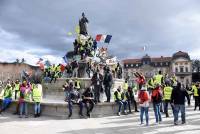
178	96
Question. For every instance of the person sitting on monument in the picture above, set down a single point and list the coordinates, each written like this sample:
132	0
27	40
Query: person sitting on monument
69	70
74	97
7	97
119	100
88	100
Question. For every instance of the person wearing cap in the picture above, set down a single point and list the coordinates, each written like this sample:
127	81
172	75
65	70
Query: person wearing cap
7	97
144	98
108	81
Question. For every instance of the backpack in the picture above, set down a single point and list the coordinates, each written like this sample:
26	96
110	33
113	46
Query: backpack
143	96
156	96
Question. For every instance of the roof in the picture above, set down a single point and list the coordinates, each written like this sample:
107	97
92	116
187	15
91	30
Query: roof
154	59
181	54
126	61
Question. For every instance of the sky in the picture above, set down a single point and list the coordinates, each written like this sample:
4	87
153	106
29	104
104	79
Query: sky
33	29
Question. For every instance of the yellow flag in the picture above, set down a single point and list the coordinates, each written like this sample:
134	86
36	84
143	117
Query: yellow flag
77	29
69	33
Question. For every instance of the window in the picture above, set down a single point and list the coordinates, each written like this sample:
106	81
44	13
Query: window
155	64
136	65
166	63
176	69
126	65
161	63
131	65
181	69
186	69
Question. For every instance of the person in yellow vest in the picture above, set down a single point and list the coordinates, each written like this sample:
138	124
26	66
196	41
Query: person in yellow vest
125	85
37	98
53	72
77	84
196	96
159	78
25	92
119	100
150	85
167	91
17	89
7	97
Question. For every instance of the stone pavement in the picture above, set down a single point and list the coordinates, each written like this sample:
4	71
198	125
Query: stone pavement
10	124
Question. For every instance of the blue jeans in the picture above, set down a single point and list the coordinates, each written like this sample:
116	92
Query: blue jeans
156	107
6	103
37	107
121	103
146	111
24	108
178	108
70	106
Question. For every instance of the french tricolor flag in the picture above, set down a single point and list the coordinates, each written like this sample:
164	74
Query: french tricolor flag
104	38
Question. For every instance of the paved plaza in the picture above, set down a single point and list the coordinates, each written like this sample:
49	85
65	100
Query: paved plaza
129	124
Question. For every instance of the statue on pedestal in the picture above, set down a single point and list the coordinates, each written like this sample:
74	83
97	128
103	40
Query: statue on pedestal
83	25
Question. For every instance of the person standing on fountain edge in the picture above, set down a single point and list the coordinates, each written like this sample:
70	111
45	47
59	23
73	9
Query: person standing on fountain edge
108	81
97	83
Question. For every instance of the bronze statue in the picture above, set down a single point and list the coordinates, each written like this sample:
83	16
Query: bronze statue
83	25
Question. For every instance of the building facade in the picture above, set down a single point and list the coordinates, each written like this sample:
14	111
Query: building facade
179	64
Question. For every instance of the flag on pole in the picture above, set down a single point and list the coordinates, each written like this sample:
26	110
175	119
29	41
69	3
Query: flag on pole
65	58
108	38
144	48
104	38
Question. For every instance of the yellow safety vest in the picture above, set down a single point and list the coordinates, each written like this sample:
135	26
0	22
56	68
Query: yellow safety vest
119	95
37	95
158	78
150	83
17	86
194	88
125	86
167	93
7	93
77	86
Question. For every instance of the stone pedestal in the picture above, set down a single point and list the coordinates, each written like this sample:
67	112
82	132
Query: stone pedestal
55	91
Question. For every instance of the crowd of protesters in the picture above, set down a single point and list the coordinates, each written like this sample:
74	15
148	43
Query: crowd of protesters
24	93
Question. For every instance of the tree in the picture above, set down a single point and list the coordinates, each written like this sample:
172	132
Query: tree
17	60
196	65
23	60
